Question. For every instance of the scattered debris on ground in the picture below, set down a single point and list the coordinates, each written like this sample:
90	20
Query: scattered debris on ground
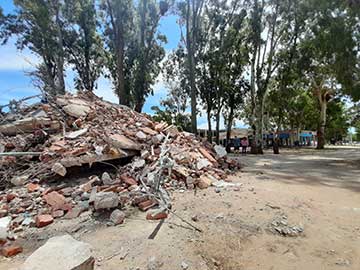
42	145
280	225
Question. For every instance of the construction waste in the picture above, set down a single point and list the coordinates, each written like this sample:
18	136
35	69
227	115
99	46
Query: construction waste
77	153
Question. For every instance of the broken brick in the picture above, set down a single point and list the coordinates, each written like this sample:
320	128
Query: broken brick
57	201
11	250
43	220
156	215
31	187
10	197
128	180
143	206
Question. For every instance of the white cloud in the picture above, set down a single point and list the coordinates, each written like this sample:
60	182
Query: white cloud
105	90
13	59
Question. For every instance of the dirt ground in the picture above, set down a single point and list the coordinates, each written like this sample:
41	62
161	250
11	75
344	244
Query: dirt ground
316	191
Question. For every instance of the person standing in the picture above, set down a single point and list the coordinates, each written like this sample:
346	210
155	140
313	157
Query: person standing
244	145
236	144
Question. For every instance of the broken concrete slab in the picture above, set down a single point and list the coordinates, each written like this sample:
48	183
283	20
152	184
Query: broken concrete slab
203	163
61	253
106	200
77	110
220	151
77	133
121	141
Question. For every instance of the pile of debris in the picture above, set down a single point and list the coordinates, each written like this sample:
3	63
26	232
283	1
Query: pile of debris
43	143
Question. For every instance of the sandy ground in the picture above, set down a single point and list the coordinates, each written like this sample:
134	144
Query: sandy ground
318	191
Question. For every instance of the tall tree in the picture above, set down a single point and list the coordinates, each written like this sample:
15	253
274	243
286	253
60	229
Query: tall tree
331	51
83	43
118	30
38	25
149	51
190	13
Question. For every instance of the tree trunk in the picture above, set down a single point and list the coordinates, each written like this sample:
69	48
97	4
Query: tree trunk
209	135
322	123
138	106
60	56
190	41
123	98
217	119
230	119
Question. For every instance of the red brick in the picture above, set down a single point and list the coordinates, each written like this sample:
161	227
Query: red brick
128	180
10	197
43	220
156	215
57	201
2	242
143	206
11	250
32	187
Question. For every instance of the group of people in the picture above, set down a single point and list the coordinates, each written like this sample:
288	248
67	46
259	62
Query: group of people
243	143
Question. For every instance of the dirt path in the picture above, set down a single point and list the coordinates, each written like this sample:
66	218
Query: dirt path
316	191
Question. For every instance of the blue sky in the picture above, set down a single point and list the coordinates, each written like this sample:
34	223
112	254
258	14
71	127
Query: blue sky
14	64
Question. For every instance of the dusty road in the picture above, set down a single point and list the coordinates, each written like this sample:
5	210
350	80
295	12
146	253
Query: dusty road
318	192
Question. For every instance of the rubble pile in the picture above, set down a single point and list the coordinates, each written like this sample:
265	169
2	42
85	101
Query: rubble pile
42	144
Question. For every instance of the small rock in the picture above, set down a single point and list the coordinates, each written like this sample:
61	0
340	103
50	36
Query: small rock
141	135
137	164
117	217
184	265
57	213
59	169
106	179
74	212
28	222
217	190
31	187
154	264
19	180
157	139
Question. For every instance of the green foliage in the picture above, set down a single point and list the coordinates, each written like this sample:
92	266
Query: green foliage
83	43
35	26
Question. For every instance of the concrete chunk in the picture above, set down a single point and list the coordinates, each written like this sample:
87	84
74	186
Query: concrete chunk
220	151
106	200
61	253
120	141
76	110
